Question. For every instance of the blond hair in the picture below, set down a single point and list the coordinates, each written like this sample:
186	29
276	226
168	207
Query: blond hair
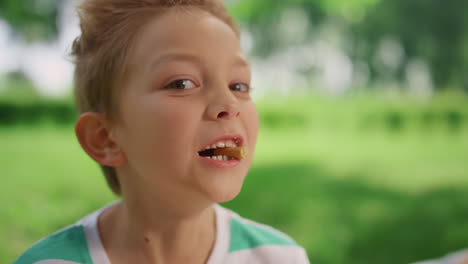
101	54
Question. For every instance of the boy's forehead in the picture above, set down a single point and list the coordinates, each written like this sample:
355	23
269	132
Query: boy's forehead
184	35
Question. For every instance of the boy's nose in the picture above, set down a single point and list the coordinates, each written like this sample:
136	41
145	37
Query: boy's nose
224	111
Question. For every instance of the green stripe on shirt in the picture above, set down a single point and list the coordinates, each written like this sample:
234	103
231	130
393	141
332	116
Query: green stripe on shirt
69	244
246	236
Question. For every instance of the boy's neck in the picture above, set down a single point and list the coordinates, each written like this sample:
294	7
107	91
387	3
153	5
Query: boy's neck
133	234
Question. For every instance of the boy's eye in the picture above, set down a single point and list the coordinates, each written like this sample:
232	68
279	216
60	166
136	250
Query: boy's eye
181	84
240	87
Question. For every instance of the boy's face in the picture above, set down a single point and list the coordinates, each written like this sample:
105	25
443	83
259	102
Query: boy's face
187	88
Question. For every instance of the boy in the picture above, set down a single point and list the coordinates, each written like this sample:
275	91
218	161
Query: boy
163	92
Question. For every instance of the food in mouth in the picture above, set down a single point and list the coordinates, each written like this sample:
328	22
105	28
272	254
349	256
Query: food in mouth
230	152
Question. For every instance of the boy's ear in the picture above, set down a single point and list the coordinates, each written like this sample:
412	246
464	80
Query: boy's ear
93	133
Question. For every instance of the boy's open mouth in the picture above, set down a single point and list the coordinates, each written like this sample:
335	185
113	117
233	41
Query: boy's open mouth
225	150
226	153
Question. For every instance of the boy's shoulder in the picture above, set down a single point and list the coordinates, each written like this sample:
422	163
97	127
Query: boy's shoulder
251	240
66	246
75	244
247	234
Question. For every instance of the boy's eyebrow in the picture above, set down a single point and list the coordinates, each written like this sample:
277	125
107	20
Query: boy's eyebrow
239	60
176	56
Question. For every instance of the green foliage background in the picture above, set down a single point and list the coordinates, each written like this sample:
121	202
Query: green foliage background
433	30
33	19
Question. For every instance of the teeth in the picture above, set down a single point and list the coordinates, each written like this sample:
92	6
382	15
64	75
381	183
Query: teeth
223	157
222	144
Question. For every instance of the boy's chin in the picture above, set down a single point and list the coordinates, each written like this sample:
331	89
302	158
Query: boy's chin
224	193
222	186
226	197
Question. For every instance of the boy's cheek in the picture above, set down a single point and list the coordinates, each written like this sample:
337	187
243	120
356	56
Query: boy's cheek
252	120
169	111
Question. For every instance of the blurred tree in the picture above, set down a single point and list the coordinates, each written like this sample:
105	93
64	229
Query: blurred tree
33	19
262	16
434	31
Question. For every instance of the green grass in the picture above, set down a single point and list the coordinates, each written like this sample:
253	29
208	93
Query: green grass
47	182
347	193
357	198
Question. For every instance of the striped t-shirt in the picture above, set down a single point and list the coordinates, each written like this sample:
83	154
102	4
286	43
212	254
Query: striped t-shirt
238	241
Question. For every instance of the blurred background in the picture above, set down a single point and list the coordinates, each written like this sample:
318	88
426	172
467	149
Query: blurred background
363	149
